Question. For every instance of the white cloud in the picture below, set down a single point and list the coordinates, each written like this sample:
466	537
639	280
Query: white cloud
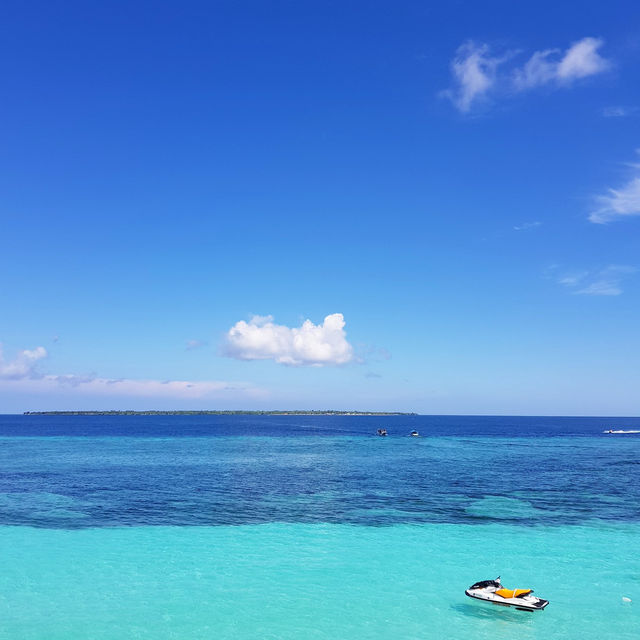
21	375
619	203
124	387
476	74
308	345
144	388
538	70
601	282
23	365
580	60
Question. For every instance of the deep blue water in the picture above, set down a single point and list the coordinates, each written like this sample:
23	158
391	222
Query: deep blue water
281	426
78	472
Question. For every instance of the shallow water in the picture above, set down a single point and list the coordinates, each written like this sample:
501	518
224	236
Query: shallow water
315	529
315	581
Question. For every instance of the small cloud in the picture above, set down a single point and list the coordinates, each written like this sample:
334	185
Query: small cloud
308	345
24	365
600	282
474	74
573	279
537	71
580	60
619	112
601	288
371	374
195	344
619	203
607	282
478	74
527	225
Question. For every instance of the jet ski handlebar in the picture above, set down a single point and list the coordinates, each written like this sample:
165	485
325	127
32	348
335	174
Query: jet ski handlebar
483	584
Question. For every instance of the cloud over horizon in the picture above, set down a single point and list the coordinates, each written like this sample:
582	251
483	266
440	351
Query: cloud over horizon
142	388
477	73
21	375
309	345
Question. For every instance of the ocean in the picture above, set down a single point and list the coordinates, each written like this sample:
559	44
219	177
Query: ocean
287	527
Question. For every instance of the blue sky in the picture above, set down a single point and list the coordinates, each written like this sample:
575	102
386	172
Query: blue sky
454	188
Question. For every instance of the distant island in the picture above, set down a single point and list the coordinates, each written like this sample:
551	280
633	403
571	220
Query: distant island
313	412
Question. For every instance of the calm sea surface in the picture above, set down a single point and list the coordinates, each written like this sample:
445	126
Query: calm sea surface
313	527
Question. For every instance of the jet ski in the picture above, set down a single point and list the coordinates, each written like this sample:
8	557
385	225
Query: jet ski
492	591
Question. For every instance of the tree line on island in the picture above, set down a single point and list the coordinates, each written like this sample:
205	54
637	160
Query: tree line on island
312	412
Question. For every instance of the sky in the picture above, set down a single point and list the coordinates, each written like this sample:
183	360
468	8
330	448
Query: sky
407	206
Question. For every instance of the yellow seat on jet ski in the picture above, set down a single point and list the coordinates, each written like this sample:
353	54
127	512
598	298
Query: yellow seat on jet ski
513	593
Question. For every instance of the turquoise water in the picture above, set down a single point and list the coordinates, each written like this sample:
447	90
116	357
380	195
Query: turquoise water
315	581
316	530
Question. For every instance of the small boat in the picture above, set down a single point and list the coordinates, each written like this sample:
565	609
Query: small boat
622	431
492	591
381	432
414	434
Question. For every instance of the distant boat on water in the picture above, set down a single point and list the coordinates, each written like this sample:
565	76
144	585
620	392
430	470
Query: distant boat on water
622	431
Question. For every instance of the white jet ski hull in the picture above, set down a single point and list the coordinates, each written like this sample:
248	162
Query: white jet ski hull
526	603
